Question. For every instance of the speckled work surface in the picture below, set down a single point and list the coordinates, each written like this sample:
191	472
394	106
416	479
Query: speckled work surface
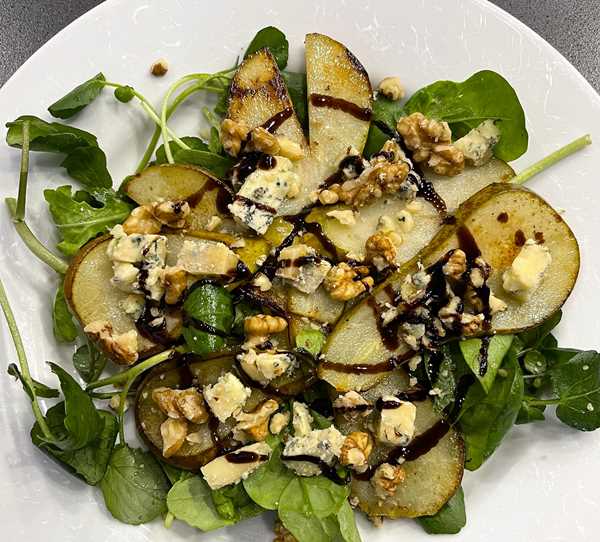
571	27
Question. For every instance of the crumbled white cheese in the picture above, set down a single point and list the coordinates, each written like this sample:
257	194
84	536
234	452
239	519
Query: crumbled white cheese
133	305
278	422
226	397
221	472
214	222
301	420
262	282
527	270
478	144
306	277
396	425
132	254
262	194
324	444
345	217
352	400
201	257
265	366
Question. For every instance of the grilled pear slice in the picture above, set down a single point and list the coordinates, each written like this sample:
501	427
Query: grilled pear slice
430	480
426	220
179	182
92	297
499	217
258	92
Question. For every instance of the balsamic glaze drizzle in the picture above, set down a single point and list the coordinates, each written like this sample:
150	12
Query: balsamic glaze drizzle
322	100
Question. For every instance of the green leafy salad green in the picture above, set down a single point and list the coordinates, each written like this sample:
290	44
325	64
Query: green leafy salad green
244	401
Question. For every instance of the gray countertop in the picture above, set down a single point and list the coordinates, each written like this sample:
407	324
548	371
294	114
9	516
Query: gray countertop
572	27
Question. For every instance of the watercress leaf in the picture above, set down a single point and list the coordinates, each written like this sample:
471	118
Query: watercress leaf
89	362
273	39
124	94
134	486
233	503
41	390
267	483
577	384
347	523
63	325
296	85
465	105
534	362
497	349
533	338
80	97
174	474
202	343
88	166
89	462
189	500
316	496
78	221
309	506
320	421
311	340
194	143
213	163
211	304
450	519
530	413
82	422
48	137
559	355
214	144
485	419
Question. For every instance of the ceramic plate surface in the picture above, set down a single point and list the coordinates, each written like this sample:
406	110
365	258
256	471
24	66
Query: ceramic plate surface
542	484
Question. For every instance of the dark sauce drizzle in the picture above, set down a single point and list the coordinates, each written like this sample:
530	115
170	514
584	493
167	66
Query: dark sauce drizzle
327	471
419	446
245	456
322	100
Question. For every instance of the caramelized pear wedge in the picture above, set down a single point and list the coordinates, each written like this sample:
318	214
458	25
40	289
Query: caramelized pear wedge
425	220
206	196
258	93
430	480
186	372
499	217
92	297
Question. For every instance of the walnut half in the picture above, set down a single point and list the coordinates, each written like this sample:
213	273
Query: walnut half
431	143
344	282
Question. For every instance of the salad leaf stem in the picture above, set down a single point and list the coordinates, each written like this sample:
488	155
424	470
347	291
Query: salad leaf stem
177	101
131	374
33	243
165	106
23	365
22	197
149	109
552	159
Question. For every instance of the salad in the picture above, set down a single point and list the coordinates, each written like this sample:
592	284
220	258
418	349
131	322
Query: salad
334	301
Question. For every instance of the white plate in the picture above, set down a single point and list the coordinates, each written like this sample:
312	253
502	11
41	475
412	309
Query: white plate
542	483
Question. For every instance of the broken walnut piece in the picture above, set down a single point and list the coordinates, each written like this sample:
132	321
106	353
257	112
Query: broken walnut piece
392	88
232	135
264	141
380	249
122	348
264	324
386	480
173	432
255	424
175	281
356	449
431	143
159	68
344	282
